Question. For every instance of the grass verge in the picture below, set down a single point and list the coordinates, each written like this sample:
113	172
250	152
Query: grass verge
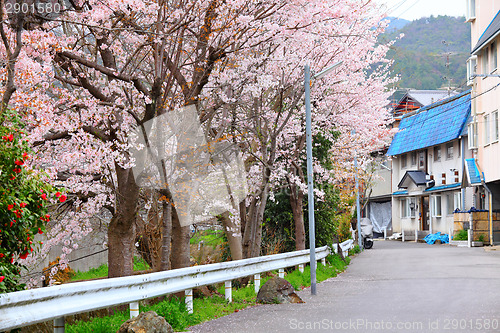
174	310
102	271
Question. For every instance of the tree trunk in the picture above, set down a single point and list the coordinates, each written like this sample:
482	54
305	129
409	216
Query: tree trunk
233	234
180	243
252	238
121	232
296	201
166	236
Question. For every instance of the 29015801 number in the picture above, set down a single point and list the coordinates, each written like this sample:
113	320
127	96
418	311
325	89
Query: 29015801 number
482	324
48	9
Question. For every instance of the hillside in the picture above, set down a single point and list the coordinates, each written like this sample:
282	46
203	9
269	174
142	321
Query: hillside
432	54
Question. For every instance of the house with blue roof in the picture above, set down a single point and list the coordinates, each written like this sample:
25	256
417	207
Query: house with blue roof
483	77
429	154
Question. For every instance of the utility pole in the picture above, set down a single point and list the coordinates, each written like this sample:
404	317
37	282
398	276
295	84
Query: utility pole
358	208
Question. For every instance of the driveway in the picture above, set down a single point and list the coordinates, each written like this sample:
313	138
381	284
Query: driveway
394	287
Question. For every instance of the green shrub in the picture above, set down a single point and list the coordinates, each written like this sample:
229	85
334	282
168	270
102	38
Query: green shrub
461	235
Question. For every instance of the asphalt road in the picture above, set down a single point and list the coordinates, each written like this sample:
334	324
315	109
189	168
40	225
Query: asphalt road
394	287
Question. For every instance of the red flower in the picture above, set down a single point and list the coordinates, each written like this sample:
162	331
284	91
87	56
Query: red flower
11	224
25	155
9	207
23	204
44	196
40	231
58	194
17	170
62	198
12	260
17	162
47	216
8	137
1	278
24	255
12	177
2	255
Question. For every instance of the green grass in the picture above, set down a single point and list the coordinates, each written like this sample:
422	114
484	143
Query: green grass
355	250
174	310
102	271
209	237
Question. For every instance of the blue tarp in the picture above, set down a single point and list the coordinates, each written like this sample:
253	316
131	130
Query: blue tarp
432	238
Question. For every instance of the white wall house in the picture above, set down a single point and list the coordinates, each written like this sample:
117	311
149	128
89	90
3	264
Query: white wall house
429	153
484	80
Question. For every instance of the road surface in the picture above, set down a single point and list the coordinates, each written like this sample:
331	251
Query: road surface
394	287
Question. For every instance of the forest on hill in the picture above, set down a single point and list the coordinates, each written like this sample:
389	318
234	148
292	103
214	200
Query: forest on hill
432	54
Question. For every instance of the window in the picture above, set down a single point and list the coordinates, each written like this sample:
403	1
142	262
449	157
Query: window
457	200
493	56
436	206
421	159
449	204
408	207
494	127
403	161
449	151
470	10
471	69
437	154
414	158
485	61
454	202
486	129
472	135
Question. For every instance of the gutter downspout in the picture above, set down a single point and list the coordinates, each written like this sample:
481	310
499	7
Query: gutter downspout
462	148
490	204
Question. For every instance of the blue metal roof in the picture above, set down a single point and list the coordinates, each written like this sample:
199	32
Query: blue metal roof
400	192
443	187
432	125
473	175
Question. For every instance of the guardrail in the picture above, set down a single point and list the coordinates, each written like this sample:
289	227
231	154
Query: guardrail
345	246
33	306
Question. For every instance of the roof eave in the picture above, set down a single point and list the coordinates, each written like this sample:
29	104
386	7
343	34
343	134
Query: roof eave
478	48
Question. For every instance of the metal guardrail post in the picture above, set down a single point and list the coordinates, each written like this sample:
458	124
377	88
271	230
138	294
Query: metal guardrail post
59	325
416	234
134	309
403	236
228	291
385	233
256	282
189	300
281	273
301	268
450	235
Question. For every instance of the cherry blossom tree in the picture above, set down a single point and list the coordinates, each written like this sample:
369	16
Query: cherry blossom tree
269	114
86	80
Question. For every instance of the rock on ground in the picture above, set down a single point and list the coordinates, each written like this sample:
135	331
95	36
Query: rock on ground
278	290
146	322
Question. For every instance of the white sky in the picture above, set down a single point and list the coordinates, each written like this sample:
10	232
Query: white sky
415	9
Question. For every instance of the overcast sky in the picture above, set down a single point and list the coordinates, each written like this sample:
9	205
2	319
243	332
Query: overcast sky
415	9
